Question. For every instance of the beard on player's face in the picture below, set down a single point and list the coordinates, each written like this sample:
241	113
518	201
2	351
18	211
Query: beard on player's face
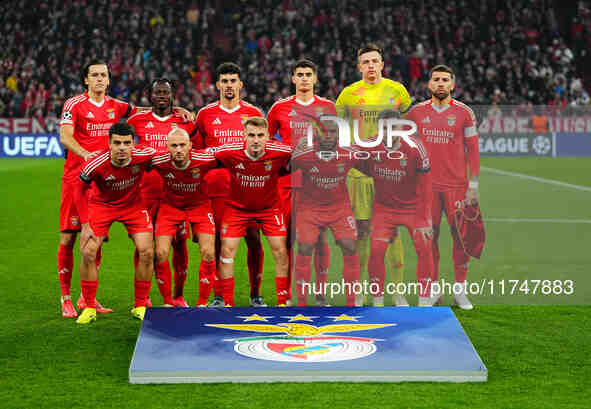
440	94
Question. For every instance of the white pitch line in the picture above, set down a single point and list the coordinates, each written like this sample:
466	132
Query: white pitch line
510	220
537	179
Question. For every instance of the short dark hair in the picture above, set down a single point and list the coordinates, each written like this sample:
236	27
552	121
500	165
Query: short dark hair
84	70
156	81
121	128
304	63
441	68
369	48
228	68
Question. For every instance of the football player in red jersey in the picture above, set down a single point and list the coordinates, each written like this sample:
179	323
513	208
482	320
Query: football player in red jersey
217	124
151	128
84	126
255	166
323	202
115	176
289	119
448	130
183	170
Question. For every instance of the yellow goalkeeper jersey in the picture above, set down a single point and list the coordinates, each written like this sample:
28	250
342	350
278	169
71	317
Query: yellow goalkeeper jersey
369	100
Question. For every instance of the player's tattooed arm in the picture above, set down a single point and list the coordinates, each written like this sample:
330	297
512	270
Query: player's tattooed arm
71	144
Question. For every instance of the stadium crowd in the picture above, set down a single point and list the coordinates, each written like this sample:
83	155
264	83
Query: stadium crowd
504	52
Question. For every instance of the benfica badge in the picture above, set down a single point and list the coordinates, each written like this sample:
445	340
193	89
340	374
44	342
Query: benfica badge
173	125
451	120
196	173
111	113
268	165
135	169
75	221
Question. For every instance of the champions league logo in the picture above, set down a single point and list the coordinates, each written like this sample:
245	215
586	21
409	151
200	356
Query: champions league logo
301	342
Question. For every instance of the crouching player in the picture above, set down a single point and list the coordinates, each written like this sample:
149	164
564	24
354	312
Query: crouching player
402	191
323	202
183	170
255	166
116	174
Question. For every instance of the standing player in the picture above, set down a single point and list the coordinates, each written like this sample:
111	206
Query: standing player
217	124
402	190
290	117
116	174
255	166
152	128
365	99
448	129
321	203
84	126
183	170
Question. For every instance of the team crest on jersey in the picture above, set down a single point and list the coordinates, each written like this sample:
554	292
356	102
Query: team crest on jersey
451	120
268	165
75	220
111	113
135	169
244	118
196	173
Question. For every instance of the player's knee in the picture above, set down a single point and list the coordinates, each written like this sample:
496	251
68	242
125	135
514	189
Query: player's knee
68	239
207	254
305	249
161	254
89	253
146	254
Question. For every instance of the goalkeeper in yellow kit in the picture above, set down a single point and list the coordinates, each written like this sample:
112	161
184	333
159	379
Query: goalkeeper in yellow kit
364	100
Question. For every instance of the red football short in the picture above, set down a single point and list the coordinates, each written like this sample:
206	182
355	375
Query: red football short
385	220
69	217
136	220
311	220
449	202
217	183
170	218
236	222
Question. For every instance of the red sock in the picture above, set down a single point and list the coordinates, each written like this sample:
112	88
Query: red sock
281	285
180	263
255	257
89	292
163	279
65	264
303	272
141	292
377	269
206	277
351	274
227	285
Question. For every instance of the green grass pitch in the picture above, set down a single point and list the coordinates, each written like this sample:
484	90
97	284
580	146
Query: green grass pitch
535	347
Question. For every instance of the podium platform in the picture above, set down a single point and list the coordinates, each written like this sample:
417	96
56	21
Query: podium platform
324	344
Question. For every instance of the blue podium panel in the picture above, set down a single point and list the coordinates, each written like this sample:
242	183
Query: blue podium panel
328	344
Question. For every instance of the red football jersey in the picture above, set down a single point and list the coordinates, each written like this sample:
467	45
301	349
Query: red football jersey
152	130
217	125
91	122
324	176
395	175
444	132
253	181
290	117
116	186
183	187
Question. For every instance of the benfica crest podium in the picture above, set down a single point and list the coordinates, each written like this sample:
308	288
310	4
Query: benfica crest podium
327	344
